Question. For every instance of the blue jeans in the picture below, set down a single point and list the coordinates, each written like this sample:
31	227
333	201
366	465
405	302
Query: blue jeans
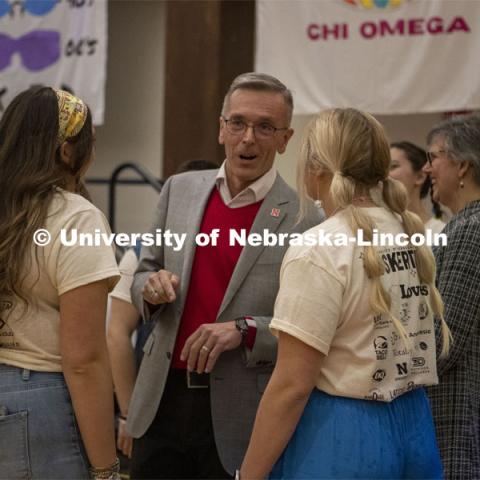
340	438
39	438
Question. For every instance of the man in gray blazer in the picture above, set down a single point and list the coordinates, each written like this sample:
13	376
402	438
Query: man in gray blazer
210	353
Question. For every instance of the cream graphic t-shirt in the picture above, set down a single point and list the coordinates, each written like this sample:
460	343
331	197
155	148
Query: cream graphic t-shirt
29	338
324	301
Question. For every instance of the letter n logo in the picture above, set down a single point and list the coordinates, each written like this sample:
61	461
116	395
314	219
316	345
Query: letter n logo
402	368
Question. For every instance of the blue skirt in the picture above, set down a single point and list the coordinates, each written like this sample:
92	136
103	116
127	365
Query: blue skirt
344	438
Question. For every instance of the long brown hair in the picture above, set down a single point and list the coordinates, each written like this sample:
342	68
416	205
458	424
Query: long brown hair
30	169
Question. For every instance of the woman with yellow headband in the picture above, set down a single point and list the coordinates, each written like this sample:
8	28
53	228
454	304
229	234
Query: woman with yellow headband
56	400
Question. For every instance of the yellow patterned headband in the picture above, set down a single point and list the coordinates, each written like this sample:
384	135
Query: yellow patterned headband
72	113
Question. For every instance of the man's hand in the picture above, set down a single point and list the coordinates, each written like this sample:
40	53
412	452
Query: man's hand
204	346
161	287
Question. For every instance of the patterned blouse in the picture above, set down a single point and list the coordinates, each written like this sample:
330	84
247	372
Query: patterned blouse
456	400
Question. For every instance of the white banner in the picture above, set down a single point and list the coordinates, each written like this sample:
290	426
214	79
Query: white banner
382	56
60	43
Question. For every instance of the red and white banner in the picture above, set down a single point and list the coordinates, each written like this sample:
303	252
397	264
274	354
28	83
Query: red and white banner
60	43
382	56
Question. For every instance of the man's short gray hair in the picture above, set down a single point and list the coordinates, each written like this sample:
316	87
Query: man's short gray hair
260	82
461	135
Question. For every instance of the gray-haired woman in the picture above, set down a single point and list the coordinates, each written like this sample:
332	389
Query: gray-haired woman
454	168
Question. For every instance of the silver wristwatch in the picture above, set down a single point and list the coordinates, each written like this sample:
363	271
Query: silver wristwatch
242	326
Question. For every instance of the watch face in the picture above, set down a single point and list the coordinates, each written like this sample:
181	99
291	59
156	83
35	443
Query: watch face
241	325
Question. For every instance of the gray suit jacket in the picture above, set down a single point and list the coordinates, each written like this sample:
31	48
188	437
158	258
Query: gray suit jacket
239	376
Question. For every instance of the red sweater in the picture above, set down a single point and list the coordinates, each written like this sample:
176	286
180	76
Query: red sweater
212	268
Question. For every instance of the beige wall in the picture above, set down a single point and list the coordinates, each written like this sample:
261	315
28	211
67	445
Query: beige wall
133	126
413	128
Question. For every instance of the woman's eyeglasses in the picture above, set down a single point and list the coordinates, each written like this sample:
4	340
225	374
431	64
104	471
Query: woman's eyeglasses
432	155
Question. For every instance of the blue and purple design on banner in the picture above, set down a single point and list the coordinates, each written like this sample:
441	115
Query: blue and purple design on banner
61	43
38	49
34	7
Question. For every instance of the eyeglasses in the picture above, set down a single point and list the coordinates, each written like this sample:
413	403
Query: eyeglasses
34	7
431	156
38	49
236	126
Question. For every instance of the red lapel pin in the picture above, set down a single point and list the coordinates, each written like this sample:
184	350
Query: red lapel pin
275	212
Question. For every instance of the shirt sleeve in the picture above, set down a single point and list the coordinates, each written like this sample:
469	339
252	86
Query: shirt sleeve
127	266
77	264
308	304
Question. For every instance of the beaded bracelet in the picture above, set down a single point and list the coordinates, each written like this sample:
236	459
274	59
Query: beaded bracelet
109	473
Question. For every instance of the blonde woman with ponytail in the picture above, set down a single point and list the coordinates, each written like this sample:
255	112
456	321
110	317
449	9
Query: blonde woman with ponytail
355	325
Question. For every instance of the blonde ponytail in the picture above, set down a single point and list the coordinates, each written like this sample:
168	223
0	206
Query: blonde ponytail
394	196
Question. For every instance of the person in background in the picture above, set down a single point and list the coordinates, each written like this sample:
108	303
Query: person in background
345	399
124	322
56	396
407	165
454	170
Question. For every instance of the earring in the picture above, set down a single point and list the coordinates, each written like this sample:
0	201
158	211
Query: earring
318	202
462	184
